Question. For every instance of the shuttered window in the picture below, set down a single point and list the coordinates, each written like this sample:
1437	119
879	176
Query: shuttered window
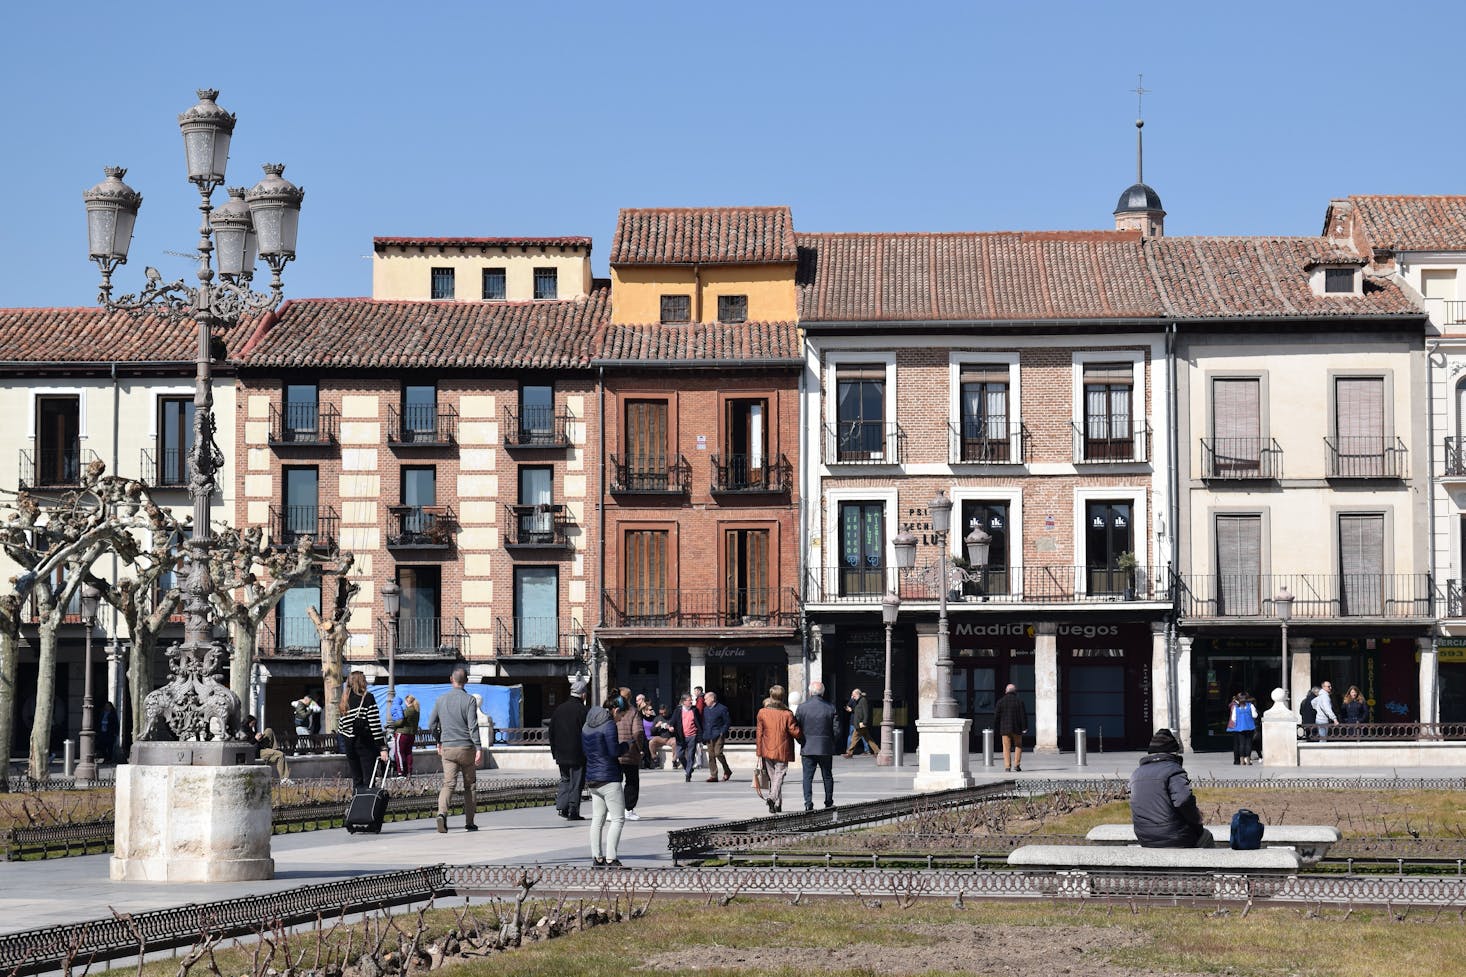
646	575
1359	411
1237	426
746	574
1361	563
646	444
1107	411
1239	564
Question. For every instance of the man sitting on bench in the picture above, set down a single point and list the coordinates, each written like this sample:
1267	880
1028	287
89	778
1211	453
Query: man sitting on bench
1162	807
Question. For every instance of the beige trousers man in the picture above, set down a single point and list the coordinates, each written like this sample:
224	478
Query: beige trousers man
457	761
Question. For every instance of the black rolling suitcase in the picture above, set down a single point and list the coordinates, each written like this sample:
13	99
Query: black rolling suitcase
368	805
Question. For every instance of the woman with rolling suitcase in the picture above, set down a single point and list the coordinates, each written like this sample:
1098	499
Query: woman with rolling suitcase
361	730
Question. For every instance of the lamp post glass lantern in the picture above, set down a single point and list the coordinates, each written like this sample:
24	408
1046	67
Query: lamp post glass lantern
86	769
890	609
266	220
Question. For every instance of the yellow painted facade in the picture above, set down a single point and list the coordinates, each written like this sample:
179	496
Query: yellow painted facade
637	290
405	272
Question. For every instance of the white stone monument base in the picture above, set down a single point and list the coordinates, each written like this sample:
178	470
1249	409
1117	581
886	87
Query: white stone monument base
942	748
1279	734
192	823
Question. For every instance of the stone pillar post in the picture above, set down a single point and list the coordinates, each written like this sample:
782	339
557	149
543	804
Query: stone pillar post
1046	688
115	678
926	668
1300	671
260	681
697	671
1279	734
794	652
816	670
1430	688
1160	678
1183	691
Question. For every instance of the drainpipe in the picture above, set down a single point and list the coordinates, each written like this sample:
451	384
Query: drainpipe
1431	347
1173	704
601	504
802	548
696	292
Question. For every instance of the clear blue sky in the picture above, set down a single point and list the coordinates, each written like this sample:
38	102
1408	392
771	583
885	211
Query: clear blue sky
490	119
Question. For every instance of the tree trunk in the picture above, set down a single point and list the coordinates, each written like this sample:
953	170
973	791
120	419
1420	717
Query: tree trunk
45	697
9	668
243	637
140	676
331	667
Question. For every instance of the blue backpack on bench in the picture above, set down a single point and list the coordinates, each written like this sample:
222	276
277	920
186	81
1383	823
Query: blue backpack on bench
1247	830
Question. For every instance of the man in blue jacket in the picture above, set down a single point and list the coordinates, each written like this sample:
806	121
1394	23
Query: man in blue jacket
1162	807
716	721
820	723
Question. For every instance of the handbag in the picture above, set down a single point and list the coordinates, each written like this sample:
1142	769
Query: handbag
760	780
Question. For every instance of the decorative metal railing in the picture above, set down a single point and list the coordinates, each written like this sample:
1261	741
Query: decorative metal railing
290	523
1019	585
544	637
536	427
421	527
1315	595
1110	440
304	423
1241	459
424	637
639	479
1366	457
545	525
981	441
54	467
652	607
421	426
751	474
863	443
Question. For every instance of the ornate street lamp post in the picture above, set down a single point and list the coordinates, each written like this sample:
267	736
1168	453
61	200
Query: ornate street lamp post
262	221
392	604
91	597
890	608
946	706
1283	604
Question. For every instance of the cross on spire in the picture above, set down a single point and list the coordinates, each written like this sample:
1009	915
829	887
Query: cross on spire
1140	92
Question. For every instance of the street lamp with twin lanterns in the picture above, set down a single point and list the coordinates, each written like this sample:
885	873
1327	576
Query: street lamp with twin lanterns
890	609
86	768
260	222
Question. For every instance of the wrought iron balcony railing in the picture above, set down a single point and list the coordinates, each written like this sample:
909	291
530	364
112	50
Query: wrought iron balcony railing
169	468
638	478
1239	459
422	426
1110	440
536	427
1455	599
1315	595
1366	457
289	637
290	523
54	467
420	527
539	637
982	441
743	474
863	443
304	423
1455	462
652	607
544	526
423	637
997	584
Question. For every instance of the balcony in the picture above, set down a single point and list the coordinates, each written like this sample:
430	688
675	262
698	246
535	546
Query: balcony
539	637
750	475
1455	461
638	479
55	467
167	469
304	425
421	426
291	523
424	637
422	528
1455	599
1110	441
291	637
1316	596
1241	459
749	607
1366	457
536	428
974	441
863	443
995	585
544	526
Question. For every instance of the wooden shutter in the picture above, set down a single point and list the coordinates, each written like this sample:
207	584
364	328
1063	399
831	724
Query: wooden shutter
646	435
1236	409
1361	562
646	572
1239	564
1359	408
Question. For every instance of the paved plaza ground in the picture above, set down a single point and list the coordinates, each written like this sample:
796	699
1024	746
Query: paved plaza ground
73	889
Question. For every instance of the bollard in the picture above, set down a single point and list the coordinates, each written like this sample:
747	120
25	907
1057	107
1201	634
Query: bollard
987	748
898	746
1081	747
68	757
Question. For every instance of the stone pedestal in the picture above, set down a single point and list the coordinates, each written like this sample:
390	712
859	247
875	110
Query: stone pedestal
1279	734
942	748
192	823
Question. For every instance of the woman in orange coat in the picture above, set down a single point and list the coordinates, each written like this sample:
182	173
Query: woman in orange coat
774	742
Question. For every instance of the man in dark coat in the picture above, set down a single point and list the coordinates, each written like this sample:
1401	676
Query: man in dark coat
1010	716
716	721
860	732
1162	807
567	750
821	726
687	724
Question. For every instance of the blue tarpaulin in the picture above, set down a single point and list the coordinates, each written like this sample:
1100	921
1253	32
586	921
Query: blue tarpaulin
501	703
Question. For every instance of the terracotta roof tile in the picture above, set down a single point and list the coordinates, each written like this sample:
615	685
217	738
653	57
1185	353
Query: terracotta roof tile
91	334
1413	223
482	242
704	235
369	334
701	342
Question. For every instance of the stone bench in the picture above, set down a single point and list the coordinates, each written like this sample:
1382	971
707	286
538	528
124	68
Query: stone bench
1312	841
1225	861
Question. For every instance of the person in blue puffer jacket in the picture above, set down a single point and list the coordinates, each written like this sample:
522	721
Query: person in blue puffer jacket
603	780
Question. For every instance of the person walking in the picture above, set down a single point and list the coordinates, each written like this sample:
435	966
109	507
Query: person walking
1162	808
603	749
1323	709
1242	722
818	720
404	734
1354	710
774	736
1010	716
455	716
632	734
687	725
1307	718
859	709
716	721
568	751
360	730
107	729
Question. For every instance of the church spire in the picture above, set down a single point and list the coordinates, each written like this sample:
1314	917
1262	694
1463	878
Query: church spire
1140	206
